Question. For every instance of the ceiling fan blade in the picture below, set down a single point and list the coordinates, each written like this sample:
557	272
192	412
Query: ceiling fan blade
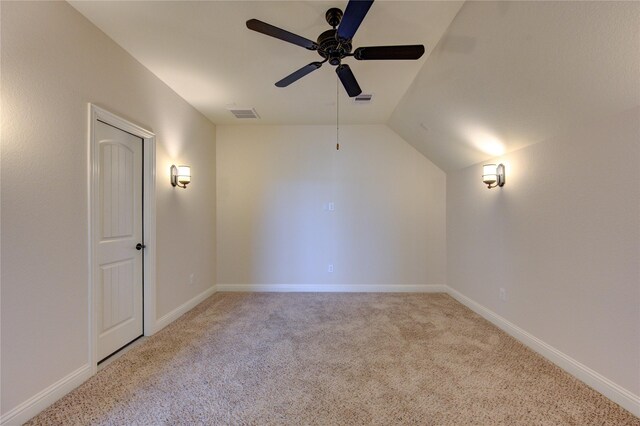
297	75
348	80
353	15
413	51
270	30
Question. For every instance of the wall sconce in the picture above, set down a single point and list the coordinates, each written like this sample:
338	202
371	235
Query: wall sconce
493	175
180	176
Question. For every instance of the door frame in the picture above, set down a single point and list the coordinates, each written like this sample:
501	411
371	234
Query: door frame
148	221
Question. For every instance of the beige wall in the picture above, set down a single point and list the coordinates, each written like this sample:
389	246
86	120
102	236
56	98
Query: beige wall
54	62
273	226
563	238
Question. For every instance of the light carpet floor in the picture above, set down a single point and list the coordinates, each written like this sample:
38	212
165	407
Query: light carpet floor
332	359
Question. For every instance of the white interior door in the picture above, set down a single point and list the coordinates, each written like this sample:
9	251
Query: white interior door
119	263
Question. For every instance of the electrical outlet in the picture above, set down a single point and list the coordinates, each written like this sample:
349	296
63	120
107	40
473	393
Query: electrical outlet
191	279
332	207
502	294
330	268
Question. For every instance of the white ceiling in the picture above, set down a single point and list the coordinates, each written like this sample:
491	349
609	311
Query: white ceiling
509	74
204	52
497	76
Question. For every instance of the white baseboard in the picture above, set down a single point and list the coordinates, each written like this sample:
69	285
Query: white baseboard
167	319
606	387
32	406
335	288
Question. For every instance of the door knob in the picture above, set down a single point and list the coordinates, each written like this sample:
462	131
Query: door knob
140	246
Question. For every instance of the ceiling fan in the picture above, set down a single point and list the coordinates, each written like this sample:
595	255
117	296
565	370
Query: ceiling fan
334	45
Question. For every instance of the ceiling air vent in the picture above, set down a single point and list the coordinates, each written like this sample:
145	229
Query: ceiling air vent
244	112
363	99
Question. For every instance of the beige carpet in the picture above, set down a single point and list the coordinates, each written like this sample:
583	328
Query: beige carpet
332	359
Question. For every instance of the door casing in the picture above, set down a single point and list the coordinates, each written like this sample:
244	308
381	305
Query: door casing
148	219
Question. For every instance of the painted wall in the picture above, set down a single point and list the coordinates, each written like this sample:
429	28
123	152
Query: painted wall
274	225
53	63
563	238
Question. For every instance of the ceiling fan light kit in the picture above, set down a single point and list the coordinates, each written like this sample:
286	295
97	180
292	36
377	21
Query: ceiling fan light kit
335	45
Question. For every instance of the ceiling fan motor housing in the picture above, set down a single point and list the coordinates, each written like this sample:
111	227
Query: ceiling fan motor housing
330	48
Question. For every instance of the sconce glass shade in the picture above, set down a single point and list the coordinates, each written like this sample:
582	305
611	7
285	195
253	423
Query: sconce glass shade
493	175
184	174
489	175
180	176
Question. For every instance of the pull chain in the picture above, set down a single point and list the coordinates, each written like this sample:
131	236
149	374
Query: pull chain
337	117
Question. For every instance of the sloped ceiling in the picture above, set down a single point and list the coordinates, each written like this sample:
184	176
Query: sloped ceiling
497	76
203	51
509	74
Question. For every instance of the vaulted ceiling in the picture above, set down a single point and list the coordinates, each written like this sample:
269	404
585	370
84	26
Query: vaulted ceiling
496	76
204	51
510	74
